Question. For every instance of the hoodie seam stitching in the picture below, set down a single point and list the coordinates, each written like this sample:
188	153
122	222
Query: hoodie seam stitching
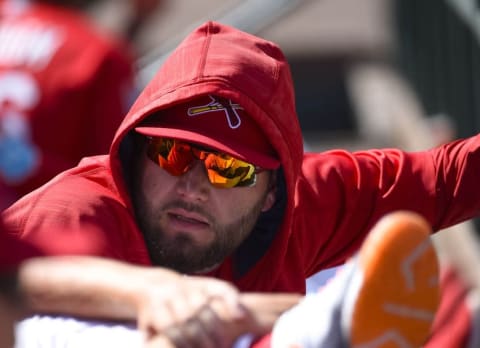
206	45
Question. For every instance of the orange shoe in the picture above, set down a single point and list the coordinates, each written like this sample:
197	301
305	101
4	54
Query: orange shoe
394	292
384	297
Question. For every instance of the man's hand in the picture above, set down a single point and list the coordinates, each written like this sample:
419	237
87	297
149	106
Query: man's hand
191	311
215	327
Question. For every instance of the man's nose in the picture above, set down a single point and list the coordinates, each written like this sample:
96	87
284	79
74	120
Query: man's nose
194	184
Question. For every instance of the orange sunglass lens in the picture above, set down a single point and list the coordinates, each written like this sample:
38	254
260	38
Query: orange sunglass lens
223	170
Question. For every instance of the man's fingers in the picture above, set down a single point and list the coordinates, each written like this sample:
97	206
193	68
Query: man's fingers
201	331
157	319
159	341
230	295
177	337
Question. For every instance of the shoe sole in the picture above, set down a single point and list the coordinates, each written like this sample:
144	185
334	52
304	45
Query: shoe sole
394	293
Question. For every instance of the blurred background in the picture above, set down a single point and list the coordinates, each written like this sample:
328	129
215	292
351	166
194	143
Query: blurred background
351	61
370	73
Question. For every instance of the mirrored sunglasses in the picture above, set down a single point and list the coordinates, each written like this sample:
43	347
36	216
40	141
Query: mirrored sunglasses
223	170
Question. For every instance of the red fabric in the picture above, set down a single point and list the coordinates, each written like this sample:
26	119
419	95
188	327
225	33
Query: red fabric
263	342
333	198
73	86
452	324
217	123
14	251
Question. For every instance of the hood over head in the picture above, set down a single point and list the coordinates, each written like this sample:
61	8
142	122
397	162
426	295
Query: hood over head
218	66
217	123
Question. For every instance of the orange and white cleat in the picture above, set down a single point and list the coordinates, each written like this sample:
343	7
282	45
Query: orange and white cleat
384	297
394	292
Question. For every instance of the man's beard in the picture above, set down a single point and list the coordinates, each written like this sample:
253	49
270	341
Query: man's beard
180	252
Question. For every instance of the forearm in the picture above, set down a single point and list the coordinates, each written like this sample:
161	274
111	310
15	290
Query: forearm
85	286
266	308
156	298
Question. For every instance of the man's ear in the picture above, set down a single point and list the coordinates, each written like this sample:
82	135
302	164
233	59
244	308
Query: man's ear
272	192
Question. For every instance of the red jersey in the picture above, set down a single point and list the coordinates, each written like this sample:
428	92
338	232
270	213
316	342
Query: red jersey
64	89
326	202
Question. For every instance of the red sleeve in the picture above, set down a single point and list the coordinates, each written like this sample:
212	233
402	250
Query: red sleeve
342	195
67	219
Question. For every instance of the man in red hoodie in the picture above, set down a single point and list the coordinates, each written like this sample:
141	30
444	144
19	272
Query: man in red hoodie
207	177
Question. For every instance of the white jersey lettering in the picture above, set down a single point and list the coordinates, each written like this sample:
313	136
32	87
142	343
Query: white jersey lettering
28	44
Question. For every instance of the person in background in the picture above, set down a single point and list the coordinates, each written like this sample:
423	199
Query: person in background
206	180
54	62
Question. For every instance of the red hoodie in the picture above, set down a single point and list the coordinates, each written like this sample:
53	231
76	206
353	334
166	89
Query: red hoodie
64	90
327	202
13	252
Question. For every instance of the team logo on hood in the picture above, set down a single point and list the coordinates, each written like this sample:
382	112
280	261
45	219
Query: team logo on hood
219	104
